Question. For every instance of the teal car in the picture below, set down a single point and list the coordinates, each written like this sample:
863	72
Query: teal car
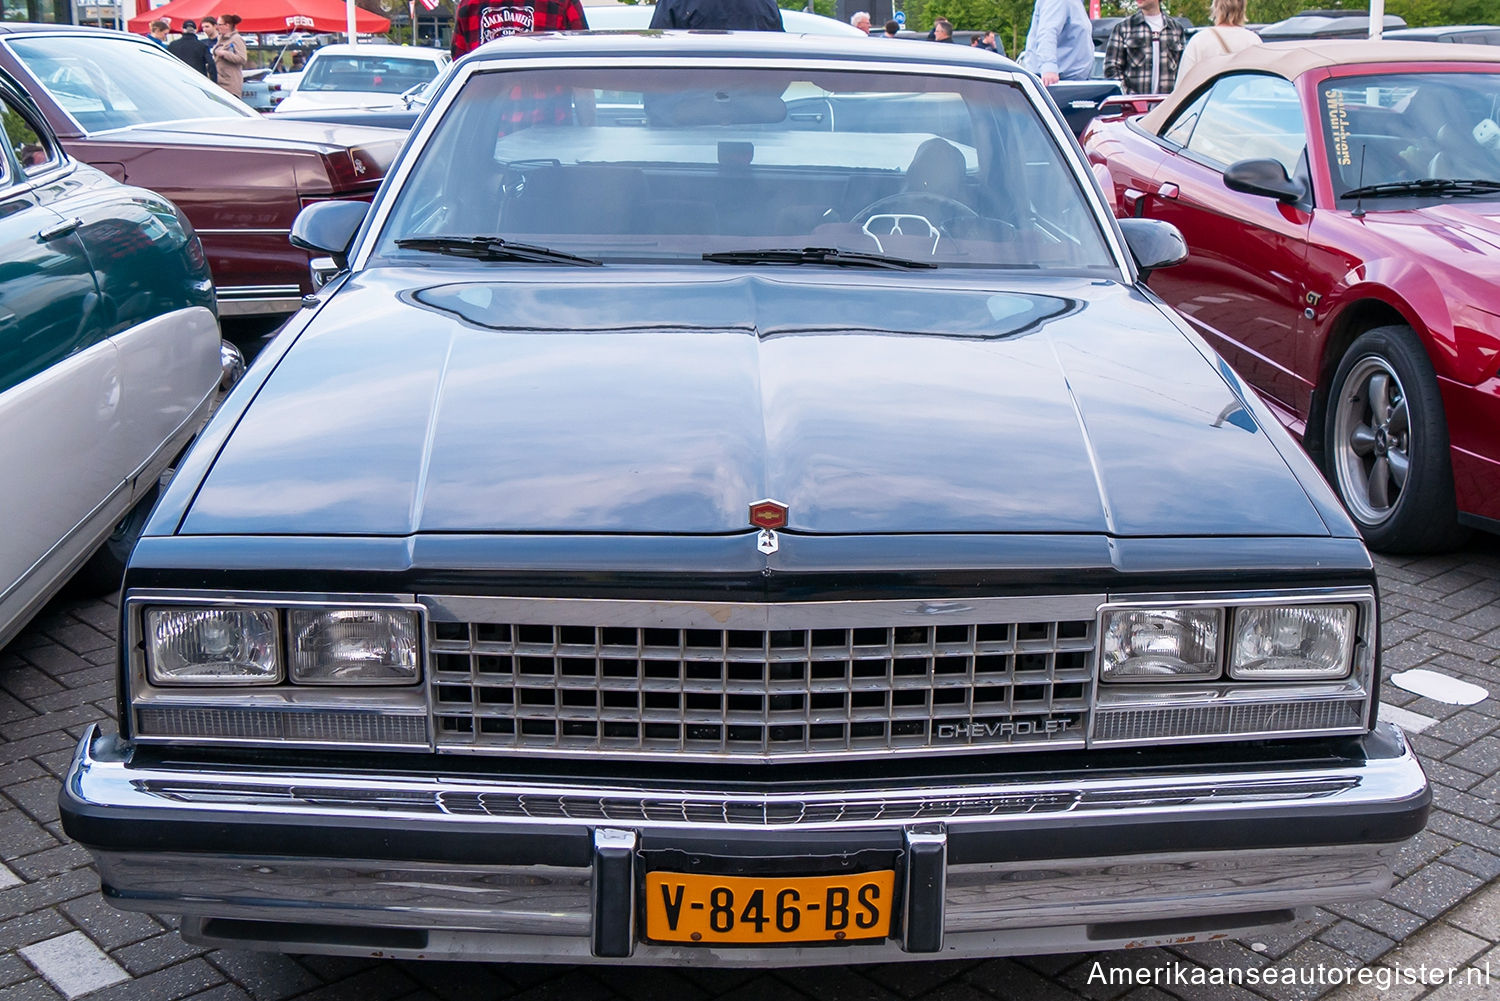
110	357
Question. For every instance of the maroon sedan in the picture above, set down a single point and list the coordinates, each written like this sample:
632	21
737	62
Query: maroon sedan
127	106
1341	204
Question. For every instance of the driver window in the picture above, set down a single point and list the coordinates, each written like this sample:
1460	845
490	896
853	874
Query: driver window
1251	116
34	152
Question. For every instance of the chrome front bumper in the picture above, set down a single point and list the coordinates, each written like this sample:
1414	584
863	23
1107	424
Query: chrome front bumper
462	867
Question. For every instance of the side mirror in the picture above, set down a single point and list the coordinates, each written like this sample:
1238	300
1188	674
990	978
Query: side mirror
328	228
1154	244
1263	177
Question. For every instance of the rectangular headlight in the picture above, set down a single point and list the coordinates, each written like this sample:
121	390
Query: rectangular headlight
1160	644
212	646
1292	642
353	646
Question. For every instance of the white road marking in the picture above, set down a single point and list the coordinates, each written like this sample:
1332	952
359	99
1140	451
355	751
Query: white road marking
1439	687
74	964
9	879
1406	719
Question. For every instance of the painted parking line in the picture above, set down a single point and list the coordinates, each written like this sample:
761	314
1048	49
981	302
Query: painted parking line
1406	719
74	964
1439	687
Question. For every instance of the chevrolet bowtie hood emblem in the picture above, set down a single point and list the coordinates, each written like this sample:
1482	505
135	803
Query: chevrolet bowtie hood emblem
768	513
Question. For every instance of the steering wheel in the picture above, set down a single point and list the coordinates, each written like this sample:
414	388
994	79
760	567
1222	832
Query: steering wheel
905	212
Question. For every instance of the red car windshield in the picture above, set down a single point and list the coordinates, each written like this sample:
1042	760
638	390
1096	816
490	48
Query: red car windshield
1404	134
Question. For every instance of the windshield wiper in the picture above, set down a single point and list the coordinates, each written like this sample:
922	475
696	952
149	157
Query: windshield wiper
492	248
815	255
1426	186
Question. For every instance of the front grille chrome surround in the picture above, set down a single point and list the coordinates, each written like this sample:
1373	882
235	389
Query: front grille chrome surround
716	680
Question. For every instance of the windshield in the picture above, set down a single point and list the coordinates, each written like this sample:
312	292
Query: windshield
672	164
108	83
374	74
1390	135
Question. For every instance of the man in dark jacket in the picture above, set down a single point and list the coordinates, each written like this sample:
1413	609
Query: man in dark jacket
718	15
192	51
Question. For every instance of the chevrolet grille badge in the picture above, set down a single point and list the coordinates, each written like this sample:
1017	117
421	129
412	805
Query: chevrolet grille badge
768	541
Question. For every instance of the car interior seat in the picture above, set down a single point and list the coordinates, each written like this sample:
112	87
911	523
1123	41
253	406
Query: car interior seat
938	168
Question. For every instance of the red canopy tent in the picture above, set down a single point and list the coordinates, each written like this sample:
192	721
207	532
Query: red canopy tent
265	15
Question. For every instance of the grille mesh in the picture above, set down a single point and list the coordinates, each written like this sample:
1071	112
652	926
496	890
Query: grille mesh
273	724
762	693
1144	724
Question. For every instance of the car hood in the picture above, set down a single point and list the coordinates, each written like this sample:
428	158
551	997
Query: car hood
1463	235
263	131
639	404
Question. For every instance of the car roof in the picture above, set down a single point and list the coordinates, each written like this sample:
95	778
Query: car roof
383	50
31	27
1439	30
1292	59
633	17
729	44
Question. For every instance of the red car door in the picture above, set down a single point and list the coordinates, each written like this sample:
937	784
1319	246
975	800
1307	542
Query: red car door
1242	284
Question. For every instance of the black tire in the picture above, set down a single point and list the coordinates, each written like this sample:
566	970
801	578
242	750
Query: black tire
1385	445
105	570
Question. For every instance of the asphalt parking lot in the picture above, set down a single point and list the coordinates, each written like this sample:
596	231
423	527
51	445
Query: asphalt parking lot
1433	934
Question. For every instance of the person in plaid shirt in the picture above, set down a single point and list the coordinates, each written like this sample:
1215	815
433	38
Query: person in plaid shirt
1144	50
478	21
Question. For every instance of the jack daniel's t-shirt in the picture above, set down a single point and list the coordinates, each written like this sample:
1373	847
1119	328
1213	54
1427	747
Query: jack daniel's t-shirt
478	21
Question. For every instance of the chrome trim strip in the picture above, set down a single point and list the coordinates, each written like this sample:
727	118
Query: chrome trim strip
259	307
234	293
472	803
725	615
245	232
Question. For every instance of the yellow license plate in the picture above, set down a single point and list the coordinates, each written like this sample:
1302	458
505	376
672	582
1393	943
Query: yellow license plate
765	910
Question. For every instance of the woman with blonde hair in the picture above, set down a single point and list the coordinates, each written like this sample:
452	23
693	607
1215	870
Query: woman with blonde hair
230	55
1227	35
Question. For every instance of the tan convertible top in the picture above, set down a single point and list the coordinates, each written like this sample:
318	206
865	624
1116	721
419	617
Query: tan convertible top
1292	59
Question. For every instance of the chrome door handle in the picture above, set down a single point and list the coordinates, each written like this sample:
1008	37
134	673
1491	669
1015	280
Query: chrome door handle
60	229
1167	190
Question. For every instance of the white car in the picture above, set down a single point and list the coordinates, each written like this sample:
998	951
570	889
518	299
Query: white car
637	17
363	76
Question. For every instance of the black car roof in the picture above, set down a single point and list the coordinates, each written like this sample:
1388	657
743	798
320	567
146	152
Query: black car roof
729	44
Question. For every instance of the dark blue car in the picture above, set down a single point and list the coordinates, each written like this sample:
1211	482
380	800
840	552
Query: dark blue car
708	520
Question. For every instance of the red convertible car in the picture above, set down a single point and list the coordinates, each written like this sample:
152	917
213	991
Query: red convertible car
129	108
1341	205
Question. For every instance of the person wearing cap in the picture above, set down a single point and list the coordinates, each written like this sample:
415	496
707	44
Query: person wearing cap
191	50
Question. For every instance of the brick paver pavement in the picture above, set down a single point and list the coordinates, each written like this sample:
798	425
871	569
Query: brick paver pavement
1434	935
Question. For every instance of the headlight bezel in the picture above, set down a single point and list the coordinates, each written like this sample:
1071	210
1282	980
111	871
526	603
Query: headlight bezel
1135	714
139	608
1229	607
